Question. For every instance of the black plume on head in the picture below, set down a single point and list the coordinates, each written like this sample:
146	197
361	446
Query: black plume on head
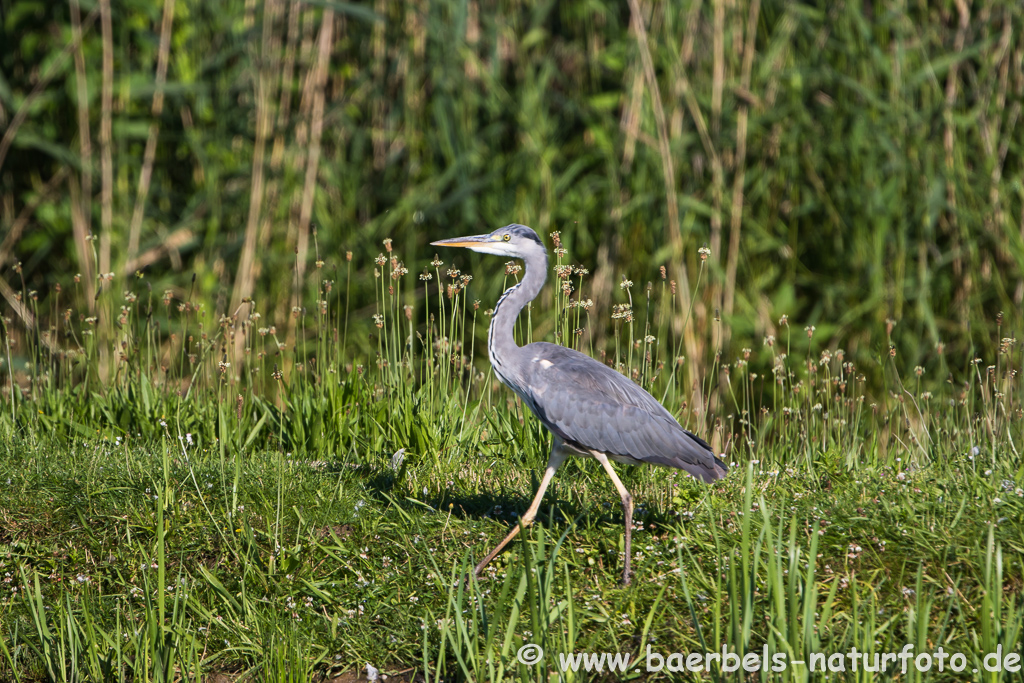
522	231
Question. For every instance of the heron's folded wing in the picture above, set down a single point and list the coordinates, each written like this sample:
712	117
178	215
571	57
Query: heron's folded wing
588	404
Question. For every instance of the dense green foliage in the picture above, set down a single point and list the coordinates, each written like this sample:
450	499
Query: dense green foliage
845	163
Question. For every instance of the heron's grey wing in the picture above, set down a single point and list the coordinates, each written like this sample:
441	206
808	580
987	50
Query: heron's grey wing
592	406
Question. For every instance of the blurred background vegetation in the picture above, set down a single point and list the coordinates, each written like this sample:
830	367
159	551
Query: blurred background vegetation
846	163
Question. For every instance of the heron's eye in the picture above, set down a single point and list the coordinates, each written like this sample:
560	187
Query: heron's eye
506	237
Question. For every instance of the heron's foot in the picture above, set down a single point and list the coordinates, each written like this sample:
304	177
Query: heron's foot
466	579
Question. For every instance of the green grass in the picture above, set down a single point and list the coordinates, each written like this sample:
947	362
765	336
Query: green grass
144	561
300	513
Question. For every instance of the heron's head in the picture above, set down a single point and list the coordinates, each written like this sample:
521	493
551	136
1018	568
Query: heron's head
516	241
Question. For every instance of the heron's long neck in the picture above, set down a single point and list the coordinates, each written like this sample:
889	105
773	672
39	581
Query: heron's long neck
501	344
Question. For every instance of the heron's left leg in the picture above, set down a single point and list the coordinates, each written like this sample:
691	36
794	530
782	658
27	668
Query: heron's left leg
558	456
627	509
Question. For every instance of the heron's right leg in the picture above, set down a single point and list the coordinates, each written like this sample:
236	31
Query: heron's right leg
627	510
554	462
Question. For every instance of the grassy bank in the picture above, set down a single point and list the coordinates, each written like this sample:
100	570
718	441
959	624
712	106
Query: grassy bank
123	561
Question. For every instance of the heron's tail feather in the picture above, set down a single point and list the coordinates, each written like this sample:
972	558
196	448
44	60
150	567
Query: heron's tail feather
721	469
714	470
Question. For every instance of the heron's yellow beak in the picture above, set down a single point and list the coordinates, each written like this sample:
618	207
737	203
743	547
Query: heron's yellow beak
470	242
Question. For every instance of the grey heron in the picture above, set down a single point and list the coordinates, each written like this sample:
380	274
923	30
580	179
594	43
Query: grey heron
590	409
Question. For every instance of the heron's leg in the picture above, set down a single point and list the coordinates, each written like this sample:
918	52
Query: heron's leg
554	462
627	509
